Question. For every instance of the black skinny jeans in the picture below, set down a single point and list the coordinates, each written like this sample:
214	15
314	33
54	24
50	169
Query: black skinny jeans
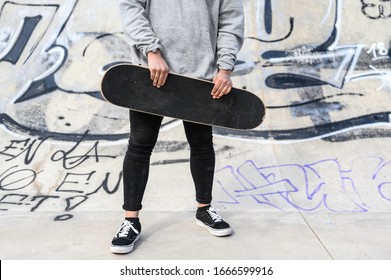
144	130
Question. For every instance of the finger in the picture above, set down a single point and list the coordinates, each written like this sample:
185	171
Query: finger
216	89
153	73
222	90
229	88
216	94
156	79
162	79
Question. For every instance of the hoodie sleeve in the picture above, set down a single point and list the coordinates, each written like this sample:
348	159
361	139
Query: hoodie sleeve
230	33
136	25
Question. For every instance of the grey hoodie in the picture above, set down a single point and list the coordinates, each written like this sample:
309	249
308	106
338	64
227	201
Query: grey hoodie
195	37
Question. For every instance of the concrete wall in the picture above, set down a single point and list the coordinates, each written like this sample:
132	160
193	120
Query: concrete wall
321	67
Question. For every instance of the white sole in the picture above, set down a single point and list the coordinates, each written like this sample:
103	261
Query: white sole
123	249
215	232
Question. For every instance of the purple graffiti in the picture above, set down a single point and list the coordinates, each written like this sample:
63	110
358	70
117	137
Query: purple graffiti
358	186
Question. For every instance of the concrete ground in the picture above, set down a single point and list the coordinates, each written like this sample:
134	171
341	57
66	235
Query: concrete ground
174	235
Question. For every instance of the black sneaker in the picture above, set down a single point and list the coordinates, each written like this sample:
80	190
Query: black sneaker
127	235
207	217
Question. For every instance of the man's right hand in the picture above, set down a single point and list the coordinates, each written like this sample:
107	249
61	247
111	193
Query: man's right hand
158	68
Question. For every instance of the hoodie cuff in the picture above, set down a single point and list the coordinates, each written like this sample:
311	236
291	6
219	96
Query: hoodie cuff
152	48
226	65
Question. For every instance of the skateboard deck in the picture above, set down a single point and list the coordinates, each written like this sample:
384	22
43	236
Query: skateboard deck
181	97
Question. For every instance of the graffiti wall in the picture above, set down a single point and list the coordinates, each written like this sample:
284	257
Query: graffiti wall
323	69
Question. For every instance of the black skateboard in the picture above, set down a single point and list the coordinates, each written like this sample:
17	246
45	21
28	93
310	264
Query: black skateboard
181	97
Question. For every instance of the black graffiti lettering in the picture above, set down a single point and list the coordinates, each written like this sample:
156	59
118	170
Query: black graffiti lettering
32	40
71	160
73	179
21	199
291	22
12	179
74	201
35	42
28	147
15	145
41	199
268	16
105	184
376	9
268	23
29	24
61	218
13	199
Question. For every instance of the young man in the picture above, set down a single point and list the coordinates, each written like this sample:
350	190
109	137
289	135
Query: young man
197	38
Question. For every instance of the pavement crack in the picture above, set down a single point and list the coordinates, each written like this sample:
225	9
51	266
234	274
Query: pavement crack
317	237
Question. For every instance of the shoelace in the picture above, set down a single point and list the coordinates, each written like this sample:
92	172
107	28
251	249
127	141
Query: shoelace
125	228
215	217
